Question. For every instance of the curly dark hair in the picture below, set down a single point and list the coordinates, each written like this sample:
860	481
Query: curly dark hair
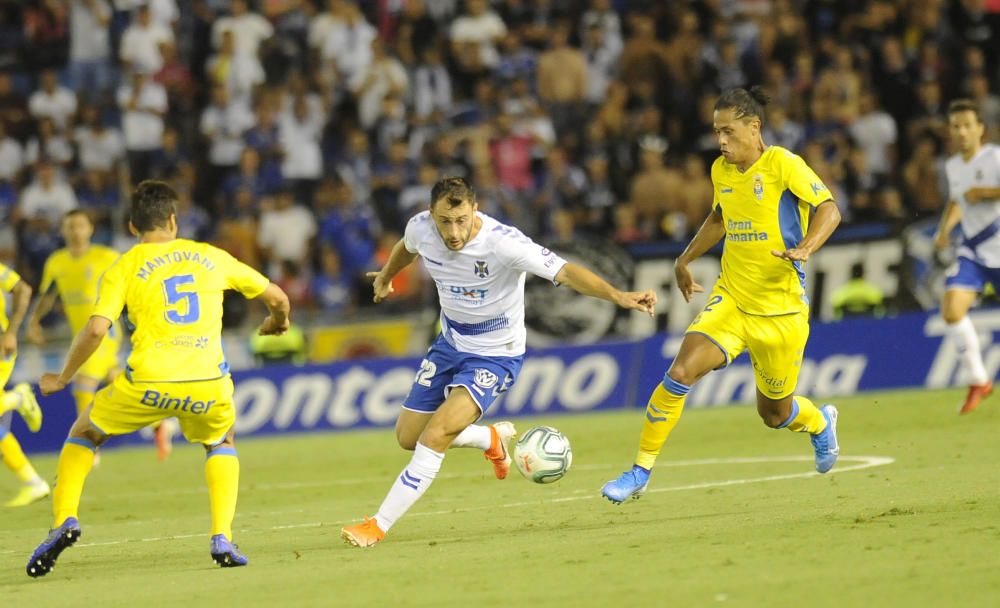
153	202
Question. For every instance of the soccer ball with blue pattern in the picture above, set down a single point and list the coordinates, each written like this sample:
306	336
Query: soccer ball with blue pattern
543	454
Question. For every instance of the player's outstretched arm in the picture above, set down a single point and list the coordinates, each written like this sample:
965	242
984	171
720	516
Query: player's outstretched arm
34	332
982	194
949	219
711	232
84	345
583	280
278	306
822	226
21	299
400	258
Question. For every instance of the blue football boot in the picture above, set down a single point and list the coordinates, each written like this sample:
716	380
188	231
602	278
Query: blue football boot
630	484
226	554
43	560
825	443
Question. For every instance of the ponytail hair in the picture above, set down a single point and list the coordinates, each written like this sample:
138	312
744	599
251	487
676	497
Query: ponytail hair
744	103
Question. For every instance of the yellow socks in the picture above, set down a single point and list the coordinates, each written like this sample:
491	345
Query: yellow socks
83	399
75	462
222	472
13	456
805	417
662	413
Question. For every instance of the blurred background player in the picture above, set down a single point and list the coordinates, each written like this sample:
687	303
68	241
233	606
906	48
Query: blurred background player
974	201
21	398
72	275
173	289
479	267
763	199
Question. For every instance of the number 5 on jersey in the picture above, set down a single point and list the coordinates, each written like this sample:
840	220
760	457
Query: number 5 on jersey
182	306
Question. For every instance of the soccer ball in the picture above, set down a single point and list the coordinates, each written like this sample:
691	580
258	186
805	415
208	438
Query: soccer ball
543	454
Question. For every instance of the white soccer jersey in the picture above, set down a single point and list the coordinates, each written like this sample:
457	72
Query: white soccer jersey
481	286
983	170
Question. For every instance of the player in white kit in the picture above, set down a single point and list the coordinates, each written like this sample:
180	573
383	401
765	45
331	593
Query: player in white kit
974	200
479	266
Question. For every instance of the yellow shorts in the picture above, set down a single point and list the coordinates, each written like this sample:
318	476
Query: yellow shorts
204	409
6	368
104	361
776	344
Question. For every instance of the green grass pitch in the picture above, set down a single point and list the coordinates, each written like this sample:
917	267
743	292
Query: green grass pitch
732	519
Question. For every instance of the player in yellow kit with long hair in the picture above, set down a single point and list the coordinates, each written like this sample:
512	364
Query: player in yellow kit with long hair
173	289
773	212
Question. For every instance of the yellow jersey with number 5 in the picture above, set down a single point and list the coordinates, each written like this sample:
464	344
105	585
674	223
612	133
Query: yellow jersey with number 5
765	208
173	292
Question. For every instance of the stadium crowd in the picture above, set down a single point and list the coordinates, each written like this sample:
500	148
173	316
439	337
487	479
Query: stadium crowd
303	134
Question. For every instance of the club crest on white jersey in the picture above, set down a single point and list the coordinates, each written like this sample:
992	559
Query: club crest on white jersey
982	171
481	286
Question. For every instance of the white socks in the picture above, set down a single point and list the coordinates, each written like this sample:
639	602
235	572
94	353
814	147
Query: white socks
967	343
410	485
474	436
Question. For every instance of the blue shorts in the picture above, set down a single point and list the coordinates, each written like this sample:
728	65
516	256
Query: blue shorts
971	275
444	368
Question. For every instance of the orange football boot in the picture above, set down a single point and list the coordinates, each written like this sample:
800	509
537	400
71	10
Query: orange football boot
976	394
500	435
365	534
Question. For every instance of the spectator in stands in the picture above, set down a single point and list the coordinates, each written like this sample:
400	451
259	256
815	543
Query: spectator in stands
171	159
697	194
389	176
876	133
99	147
12	159
562	82
286	234
922	177
300	133
46	27
602	63
53	101
14	109
140	45
346	227
223	124
780	130
249	29
193	222
333	291
355	167
90	70
416	196
416	32
98	194
385	77
43	204
347	51
50	144
176	78
239	73
510	150
143	104
561	188
474	38
431	86
8	234
655	192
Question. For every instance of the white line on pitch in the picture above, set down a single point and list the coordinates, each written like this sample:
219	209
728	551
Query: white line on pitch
864	462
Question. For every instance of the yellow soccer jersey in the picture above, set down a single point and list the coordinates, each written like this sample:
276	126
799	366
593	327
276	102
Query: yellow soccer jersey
763	209
8	279
76	279
173	292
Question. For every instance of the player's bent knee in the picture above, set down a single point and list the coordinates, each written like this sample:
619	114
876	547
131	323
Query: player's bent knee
679	372
771	414
406	442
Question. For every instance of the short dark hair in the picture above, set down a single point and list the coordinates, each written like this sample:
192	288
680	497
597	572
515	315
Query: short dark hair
964	105
153	202
744	103
452	190
75	212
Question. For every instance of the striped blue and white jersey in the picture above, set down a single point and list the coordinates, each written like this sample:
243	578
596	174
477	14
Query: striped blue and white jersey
980	221
481	286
